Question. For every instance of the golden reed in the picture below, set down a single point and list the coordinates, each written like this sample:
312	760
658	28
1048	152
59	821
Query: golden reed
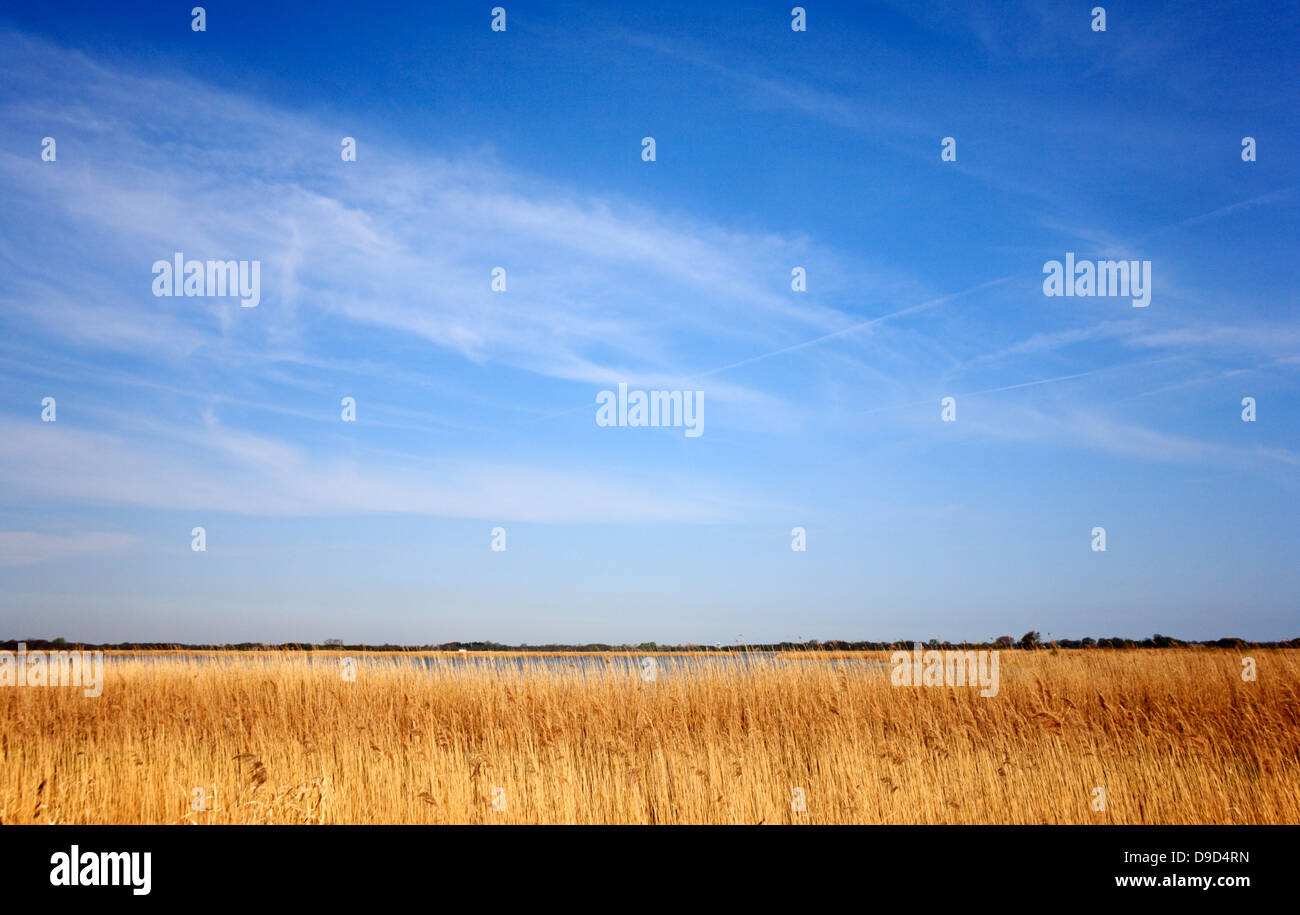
1171	736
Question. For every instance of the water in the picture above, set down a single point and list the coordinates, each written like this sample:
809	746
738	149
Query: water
584	664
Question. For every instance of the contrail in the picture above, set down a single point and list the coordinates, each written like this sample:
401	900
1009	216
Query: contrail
1023	384
913	309
1270	197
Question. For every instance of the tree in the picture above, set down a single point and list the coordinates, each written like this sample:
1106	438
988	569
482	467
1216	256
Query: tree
1004	641
1030	639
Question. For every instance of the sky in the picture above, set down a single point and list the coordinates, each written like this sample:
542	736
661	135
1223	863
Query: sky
476	408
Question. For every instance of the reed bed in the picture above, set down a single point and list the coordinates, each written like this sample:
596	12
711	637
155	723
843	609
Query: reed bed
1171	736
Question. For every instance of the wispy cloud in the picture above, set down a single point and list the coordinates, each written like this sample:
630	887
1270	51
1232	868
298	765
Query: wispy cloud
598	288
20	548
227	471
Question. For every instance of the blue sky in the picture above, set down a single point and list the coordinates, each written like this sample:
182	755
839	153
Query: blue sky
476	409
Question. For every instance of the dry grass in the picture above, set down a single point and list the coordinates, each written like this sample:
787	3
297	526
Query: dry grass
1173	736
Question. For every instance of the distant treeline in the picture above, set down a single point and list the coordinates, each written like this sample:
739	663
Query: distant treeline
1030	640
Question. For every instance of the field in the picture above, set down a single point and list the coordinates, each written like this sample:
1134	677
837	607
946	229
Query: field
1170	736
